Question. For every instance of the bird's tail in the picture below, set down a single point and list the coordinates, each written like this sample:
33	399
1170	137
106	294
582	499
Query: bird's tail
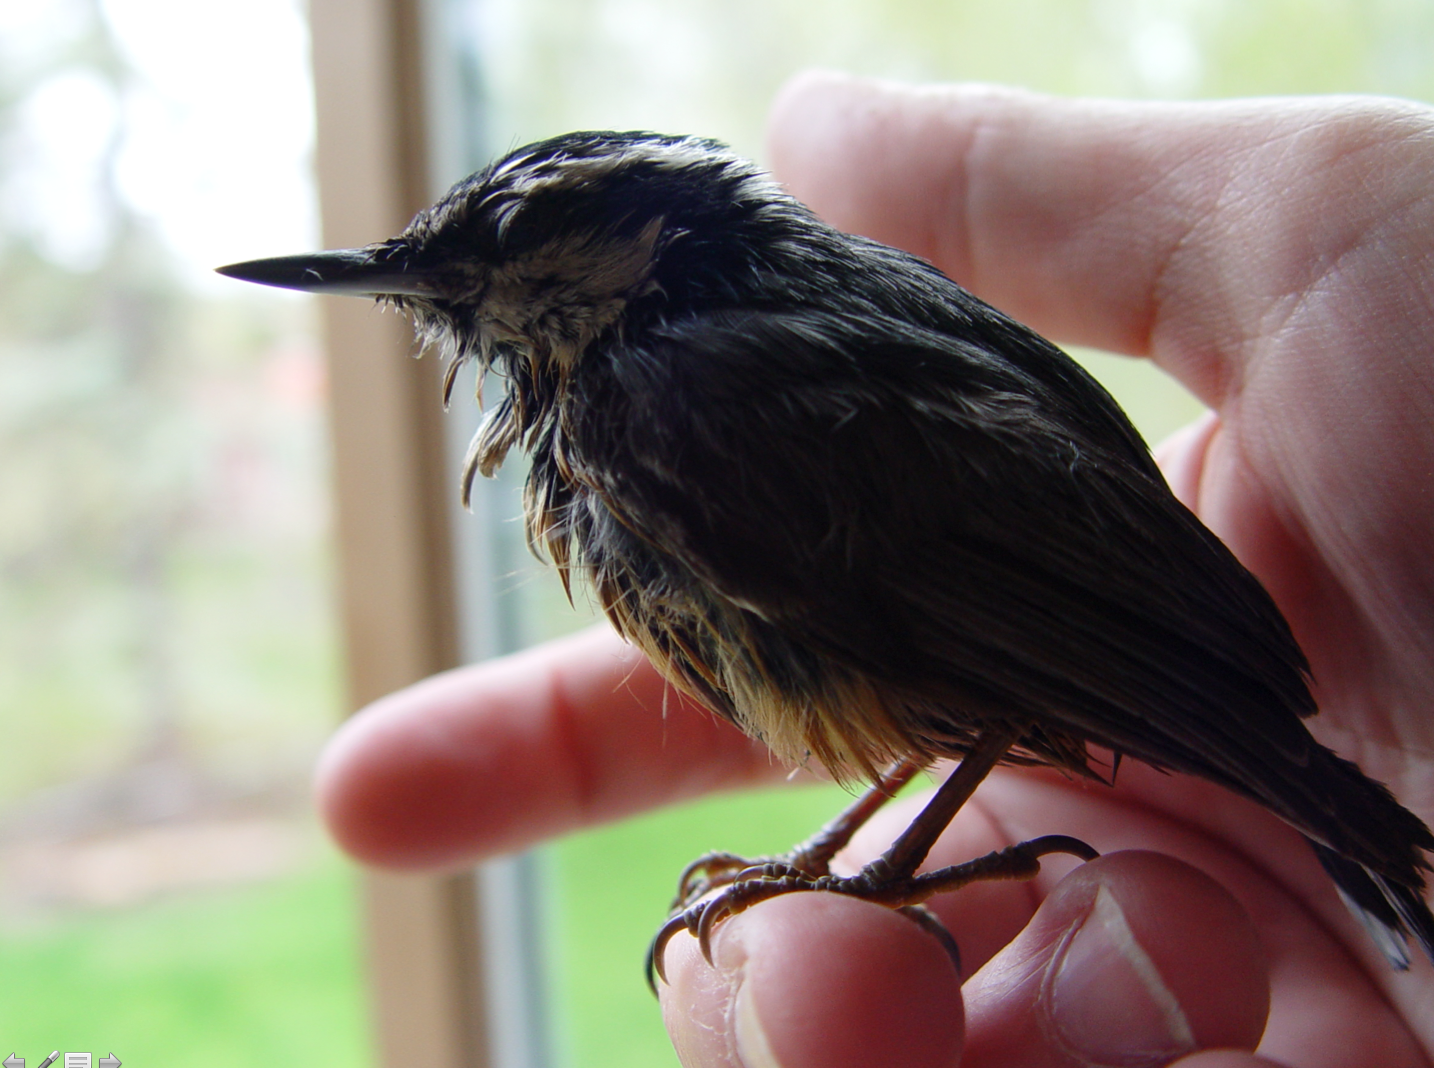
1391	912
1374	849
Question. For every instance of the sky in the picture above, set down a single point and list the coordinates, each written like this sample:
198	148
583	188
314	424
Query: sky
211	140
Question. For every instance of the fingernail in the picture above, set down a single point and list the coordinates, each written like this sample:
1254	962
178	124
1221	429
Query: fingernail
753	1049
1106	1004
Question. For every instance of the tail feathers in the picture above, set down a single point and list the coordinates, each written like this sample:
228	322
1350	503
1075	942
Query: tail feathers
1391	912
1362	820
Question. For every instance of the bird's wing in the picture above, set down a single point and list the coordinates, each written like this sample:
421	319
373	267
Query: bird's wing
900	505
900	286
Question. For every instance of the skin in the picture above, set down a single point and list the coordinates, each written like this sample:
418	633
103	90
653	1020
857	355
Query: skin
1277	257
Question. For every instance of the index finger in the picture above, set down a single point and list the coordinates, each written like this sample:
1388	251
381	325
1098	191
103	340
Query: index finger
494	757
1164	229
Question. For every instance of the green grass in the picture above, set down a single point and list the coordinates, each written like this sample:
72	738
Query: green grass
260	975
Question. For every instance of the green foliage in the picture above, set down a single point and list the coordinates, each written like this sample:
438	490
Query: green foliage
166	637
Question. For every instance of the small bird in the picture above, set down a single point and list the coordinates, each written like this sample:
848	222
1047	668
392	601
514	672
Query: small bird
863	515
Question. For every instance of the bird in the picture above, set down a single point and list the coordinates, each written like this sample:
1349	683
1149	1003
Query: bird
858	512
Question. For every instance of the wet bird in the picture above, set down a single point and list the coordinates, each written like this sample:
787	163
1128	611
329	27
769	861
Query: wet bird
863	515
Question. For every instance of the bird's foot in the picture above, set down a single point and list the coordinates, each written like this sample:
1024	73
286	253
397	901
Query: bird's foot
720	885
712	871
811	858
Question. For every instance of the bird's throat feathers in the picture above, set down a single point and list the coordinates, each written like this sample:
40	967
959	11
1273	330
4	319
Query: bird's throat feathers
536	315
544	307
552	303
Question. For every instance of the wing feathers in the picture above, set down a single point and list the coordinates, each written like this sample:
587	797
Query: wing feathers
891	507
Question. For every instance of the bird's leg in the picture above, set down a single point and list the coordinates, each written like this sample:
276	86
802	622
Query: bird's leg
812	857
890	879
815	854
910	848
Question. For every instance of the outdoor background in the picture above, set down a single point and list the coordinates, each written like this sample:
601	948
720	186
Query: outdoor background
167	641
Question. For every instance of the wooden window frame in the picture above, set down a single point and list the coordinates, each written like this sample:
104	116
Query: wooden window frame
374	78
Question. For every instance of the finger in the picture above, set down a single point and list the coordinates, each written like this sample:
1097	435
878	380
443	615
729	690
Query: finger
491	758
814	981
1330	993
1056	210
1145	228
1182	458
1224	1058
1134	958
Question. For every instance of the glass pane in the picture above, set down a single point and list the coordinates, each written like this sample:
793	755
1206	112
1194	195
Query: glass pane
167	647
710	67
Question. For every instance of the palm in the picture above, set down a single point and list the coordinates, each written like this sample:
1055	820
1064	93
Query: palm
1313	474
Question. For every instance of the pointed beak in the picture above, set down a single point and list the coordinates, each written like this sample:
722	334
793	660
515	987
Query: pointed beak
373	271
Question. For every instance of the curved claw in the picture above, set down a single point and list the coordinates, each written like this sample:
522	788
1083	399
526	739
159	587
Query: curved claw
711	871
769	869
708	864
654	966
1061	843
712	913
741	896
932	925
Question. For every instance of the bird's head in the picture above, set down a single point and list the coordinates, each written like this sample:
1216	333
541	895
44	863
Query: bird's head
534	257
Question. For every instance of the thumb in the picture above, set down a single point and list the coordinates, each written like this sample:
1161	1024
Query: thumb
1134	959
814	980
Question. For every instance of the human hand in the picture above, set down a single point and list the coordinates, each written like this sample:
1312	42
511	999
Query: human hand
495	757
1245	247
